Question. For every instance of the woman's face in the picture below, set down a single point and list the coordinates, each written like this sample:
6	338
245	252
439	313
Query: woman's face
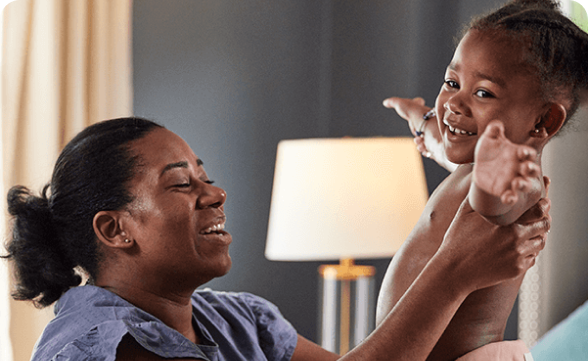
176	219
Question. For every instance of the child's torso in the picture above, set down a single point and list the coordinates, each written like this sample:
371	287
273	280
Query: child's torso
482	317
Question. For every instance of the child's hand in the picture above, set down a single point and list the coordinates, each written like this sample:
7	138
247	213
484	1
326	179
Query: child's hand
429	144
411	110
502	168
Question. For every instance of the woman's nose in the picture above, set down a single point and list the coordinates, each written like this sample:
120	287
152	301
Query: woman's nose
211	196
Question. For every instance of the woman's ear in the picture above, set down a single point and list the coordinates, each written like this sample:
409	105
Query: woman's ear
551	121
107	227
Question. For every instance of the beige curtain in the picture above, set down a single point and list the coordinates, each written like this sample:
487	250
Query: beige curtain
65	64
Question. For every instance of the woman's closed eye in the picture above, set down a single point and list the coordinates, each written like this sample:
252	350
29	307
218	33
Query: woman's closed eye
188	184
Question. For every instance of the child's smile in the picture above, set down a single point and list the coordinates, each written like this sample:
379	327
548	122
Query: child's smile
457	131
486	80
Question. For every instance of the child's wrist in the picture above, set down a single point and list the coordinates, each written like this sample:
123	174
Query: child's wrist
420	132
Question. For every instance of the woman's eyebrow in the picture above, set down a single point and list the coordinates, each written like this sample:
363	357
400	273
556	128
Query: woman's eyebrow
182	164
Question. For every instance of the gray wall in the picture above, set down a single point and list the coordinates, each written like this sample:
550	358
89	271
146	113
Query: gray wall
235	77
563	264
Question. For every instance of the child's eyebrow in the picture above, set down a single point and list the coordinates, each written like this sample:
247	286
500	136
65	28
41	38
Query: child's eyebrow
496	80
478	74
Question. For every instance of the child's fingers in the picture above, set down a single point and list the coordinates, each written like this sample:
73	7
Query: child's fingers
421	147
391	102
420	101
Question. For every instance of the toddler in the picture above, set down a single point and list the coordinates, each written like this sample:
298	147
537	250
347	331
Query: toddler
516	77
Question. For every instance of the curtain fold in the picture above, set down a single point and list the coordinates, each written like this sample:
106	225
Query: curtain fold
65	65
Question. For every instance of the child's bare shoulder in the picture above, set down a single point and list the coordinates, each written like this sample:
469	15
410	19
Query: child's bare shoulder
453	189
426	237
439	213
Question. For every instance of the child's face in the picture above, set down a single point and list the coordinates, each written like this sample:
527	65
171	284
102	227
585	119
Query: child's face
486	81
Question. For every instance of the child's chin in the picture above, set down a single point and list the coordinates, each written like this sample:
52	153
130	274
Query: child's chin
459	159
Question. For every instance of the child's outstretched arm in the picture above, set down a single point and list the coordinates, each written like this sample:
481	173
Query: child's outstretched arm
506	179
426	131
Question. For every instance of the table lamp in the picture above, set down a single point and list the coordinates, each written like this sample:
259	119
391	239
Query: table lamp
344	199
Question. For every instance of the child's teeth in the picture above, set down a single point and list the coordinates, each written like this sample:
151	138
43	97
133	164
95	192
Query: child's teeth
460	131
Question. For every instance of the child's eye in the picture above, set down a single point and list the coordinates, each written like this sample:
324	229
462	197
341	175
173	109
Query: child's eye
452	84
484	94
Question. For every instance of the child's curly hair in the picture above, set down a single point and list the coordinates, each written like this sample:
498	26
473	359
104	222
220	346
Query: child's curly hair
557	48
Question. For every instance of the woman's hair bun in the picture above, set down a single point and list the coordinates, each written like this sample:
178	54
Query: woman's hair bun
42	266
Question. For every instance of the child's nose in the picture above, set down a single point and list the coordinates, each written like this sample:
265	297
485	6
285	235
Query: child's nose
455	105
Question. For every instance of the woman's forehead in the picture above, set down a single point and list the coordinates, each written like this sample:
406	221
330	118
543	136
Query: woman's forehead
162	148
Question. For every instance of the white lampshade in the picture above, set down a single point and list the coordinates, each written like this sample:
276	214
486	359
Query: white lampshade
344	198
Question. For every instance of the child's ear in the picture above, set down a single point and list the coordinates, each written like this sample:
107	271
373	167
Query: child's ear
108	230
551	121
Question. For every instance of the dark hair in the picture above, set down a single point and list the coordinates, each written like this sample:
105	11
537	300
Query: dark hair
52	234
557	48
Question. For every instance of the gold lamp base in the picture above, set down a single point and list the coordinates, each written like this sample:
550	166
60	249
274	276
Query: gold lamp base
338	281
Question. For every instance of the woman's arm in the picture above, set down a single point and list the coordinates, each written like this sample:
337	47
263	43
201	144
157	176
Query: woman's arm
474	254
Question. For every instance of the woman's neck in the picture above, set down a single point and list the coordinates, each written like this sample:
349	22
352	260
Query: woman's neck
173	309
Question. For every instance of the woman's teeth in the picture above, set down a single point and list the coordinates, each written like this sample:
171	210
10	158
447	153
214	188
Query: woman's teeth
215	228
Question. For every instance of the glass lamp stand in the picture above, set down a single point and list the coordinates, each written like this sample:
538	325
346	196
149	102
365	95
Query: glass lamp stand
344	321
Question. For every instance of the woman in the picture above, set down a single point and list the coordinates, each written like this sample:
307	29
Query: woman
131	205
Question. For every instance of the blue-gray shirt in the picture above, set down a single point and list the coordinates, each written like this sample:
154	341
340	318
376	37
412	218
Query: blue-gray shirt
90	322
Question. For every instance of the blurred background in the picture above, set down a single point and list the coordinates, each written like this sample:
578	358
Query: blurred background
233	78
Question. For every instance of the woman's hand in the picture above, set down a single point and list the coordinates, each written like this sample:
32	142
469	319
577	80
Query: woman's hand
427	137
485	254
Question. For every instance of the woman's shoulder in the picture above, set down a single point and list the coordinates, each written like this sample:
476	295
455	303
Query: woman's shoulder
92	321
81	316
257	324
